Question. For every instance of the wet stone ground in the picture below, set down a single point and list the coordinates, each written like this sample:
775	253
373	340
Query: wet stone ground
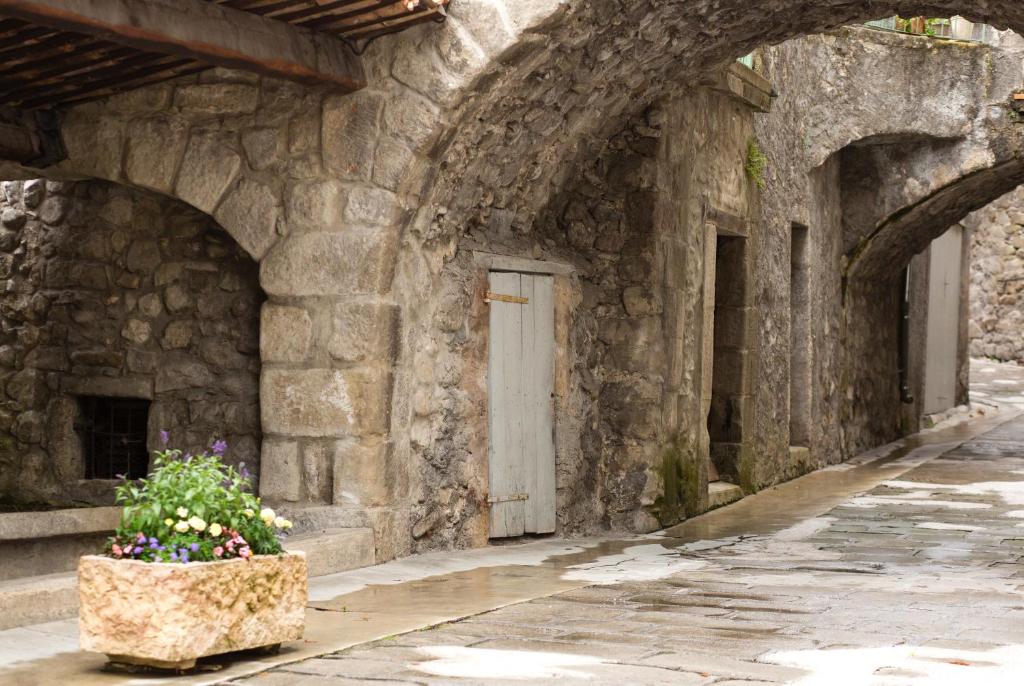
918	580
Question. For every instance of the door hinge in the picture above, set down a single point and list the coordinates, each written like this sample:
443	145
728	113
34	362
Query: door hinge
508	498
488	297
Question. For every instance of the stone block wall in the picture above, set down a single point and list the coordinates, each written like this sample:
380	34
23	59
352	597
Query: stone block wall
113	292
996	327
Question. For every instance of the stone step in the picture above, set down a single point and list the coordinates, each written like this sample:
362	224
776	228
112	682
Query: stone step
334	550
721	493
36	599
35	543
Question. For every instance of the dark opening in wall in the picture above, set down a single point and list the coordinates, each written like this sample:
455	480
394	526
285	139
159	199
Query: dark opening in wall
113	433
799	339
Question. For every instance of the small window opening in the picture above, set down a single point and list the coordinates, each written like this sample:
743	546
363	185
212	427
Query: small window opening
113	433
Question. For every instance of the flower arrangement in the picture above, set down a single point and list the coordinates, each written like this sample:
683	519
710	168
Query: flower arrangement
193	508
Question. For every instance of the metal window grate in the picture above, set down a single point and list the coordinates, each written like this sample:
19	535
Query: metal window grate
113	432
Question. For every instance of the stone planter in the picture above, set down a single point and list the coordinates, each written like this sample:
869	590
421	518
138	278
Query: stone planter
168	615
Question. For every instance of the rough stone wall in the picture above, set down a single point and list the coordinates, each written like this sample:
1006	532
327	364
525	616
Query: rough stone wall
631	226
996	327
109	291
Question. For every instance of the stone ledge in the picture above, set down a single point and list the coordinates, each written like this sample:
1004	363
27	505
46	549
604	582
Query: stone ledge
721	493
335	550
742	82
15	526
38	599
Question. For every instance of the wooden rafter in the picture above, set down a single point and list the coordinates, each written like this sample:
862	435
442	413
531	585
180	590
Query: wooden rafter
203	31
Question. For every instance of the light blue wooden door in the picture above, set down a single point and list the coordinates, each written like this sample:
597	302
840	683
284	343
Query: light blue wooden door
520	373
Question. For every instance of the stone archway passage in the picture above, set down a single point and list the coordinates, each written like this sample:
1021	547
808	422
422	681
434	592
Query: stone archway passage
125	314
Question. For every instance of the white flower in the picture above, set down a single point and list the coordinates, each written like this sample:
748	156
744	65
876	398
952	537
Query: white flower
182	512
267	515
279	522
216	529
181	527
196	523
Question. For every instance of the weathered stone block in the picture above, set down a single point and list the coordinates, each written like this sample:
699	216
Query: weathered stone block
350	126
95	145
317	472
324	402
168	614
217	98
280	476
410	116
361	474
177	335
358	261
143	256
154	148
316	205
263	147
285	333
364	331
249	214
368	206
207	170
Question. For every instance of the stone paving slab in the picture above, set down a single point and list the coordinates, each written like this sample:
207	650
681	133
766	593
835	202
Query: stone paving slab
900	589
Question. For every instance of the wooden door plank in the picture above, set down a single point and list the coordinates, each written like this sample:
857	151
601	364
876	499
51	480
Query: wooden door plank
527	371
540	403
505	407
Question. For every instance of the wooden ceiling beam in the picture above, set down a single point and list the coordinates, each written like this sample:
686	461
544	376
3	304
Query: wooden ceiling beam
204	31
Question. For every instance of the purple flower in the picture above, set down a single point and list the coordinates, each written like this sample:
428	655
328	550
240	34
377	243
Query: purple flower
183	555
174	557
153	546
137	550
194	547
165	437
219	446
153	541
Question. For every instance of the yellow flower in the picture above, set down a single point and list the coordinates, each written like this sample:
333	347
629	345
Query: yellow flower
287	524
169	522
182	512
196	523
267	515
181	527
279	522
216	529
248	513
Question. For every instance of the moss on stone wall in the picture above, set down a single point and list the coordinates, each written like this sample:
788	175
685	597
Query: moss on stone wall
680	483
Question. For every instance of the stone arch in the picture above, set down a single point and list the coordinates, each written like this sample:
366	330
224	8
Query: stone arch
124	311
518	111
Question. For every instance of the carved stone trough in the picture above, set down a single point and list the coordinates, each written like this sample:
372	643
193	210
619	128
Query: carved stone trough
167	615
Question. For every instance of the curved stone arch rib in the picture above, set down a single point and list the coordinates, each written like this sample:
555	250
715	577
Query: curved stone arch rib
177	159
910	230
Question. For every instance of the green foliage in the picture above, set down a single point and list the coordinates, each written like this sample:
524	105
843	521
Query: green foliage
756	163
193	508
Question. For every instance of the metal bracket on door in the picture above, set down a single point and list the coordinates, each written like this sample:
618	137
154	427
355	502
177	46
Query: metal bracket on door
508	498
488	297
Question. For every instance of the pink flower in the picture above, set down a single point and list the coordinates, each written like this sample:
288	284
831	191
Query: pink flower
218	551
244	551
230	545
116	550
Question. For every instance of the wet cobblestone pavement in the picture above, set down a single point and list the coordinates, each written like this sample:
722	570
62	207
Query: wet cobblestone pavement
919	580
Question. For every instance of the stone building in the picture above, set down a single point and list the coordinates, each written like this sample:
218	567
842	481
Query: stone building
541	268
997	279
